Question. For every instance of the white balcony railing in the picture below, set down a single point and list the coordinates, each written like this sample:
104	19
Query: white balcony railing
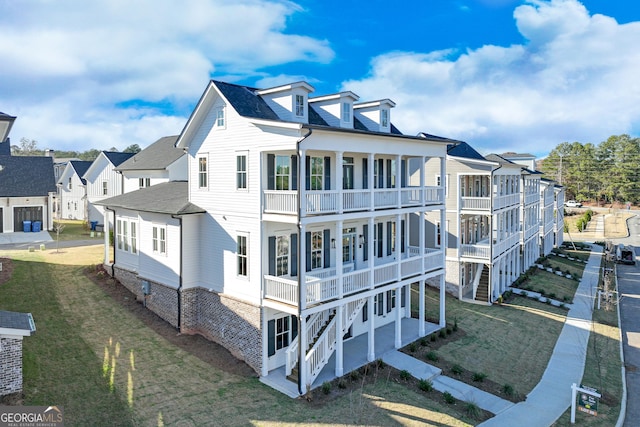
500	202
475	203
475	251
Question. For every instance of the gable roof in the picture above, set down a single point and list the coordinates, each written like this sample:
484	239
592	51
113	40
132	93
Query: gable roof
246	101
166	198
156	156
12	322
23	176
116	158
464	150
80	167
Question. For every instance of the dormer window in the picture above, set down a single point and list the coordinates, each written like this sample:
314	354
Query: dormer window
346	112
384	118
299	107
220	118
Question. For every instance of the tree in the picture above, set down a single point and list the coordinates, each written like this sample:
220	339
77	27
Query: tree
133	148
28	145
89	155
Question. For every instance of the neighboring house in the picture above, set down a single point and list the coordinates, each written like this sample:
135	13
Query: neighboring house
102	181
547	216
530	241
159	162
525	159
558	215
483	223
301	230
72	194
27	187
13	328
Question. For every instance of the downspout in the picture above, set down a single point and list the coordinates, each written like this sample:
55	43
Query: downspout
180	270
301	354
113	264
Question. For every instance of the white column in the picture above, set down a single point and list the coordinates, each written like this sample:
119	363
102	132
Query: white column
398	253
398	342
302	343
371	354
422	183
302	270
264	371
421	307
338	258
370	185
370	251
421	240
339	341
339	184
302	172
399	179
107	259
443	320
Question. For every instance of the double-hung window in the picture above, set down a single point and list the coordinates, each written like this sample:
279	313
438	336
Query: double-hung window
243	256
119	234
299	107
317	173
282	172
70	185
282	256
316	250
346	112
384	118
347	173
144	182
159	237
241	172
134	238
202	172
105	188
220	118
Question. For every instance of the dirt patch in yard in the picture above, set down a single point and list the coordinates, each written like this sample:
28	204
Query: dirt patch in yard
207	351
7	269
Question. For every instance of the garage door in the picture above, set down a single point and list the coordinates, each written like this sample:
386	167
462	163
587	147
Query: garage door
30	213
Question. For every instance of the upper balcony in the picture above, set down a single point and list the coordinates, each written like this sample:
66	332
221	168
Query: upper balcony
319	202
484	203
321	286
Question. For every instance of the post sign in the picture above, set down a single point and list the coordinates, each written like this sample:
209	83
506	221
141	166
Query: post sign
587	398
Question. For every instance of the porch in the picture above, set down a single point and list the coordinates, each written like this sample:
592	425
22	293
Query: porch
355	355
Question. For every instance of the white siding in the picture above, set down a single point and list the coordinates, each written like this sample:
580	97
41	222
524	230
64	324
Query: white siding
72	201
163	268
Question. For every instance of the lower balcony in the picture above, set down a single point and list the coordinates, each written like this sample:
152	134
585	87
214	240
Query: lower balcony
325	285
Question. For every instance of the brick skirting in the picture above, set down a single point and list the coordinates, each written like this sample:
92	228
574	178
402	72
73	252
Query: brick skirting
10	365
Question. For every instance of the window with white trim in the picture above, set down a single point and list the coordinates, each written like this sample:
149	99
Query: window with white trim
241	172
105	188
282	172
317	173
316	250
243	255
282	256
144	182
220	122
134	238
446	184
119	234
346	112
299	107
202	172
384	118
127	236
159	238
438	234
70	183
283	325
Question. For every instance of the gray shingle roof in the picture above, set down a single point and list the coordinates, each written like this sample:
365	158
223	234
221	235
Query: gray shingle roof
18	321
81	166
116	158
157	156
245	101
166	198
26	176
464	150
499	159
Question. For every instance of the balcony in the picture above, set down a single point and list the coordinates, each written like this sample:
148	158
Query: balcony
507	200
328	202
476	250
475	203
324	285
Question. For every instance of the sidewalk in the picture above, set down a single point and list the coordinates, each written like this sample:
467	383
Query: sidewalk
552	396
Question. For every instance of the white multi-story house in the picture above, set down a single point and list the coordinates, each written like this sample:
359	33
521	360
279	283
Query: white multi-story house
483	223
530	215
103	182
160	162
301	241
547	216
72	192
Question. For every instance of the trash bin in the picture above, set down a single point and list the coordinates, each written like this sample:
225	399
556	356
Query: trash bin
36	226
93	225
26	226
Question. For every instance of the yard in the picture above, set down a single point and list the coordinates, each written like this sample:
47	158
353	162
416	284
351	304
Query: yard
108	361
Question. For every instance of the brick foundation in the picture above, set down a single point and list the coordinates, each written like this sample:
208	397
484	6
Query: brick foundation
10	365
234	324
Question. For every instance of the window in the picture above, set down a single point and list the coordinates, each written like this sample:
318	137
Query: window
69	183
282	332
392	237
202	172
125	235
316	249
446	184
384	118
377	240
134	238
241	172
346	112
243	258
144	182
347	173
439	234
282	256
317	173
220	118
282	172
299	106
159	239
119	233
348	244
105	188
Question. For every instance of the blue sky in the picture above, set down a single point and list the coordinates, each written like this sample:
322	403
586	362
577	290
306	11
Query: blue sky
503	75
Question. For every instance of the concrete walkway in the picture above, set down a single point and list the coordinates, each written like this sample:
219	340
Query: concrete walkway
552	396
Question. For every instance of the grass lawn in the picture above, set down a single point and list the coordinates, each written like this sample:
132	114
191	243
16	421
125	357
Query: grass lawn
71	230
551	285
106	367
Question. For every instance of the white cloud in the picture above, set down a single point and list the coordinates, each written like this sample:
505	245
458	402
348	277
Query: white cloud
574	80
69	66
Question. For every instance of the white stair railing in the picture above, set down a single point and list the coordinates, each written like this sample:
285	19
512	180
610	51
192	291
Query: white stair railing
314	325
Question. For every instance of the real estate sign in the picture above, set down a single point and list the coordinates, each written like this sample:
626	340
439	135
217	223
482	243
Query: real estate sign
588	402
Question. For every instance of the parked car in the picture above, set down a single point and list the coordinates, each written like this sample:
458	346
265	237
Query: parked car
572	204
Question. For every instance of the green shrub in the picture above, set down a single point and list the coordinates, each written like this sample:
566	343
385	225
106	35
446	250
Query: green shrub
413	347
326	387
442	333
448	397
433	337
479	377
354	375
425	385
472	410
456	369
432	356
342	383
405	375
507	389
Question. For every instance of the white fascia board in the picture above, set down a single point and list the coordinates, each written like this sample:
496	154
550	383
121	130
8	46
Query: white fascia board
287	87
474	161
275	123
